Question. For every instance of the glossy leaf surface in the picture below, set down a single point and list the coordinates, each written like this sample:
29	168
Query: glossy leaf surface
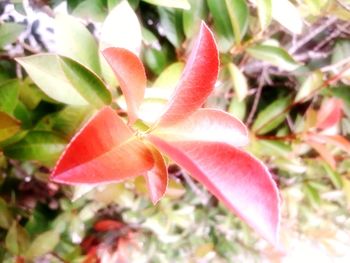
87	83
37	145
208	125
70	33
103	151
197	80
46	72
236	178
8	126
131	76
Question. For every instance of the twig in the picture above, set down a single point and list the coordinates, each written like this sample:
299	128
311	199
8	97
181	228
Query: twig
314	32
257	98
204	198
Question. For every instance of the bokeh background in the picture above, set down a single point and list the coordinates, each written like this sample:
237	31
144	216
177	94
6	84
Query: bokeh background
285	72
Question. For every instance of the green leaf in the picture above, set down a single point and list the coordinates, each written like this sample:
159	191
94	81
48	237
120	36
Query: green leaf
23	115
114	33
91	9
68	120
316	6
8	95
191	19
240	84
288	15
342	92
88	84
223	29
5	215
183	4
312	83
237	108
9	33
41	146
264	12
30	94
341	51
275	55
75	41
333	175
272	116
312	194
45	70
43	244
9	126
239	13
171	22
169	76
17	239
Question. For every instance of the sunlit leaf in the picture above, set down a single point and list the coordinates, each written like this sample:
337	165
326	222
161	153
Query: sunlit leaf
115	33
170	76
287	14
264	12
131	76
70	34
313	82
197	80
234	177
240	84
46	72
103	151
274	55
207	125
87	83
9	33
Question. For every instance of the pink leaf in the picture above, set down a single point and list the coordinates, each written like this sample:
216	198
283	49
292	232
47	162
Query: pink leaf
329	114
336	140
197	81
236	178
207	125
131	75
323	152
157	177
104	150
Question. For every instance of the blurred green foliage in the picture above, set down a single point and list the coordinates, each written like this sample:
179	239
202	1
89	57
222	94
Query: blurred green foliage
280	61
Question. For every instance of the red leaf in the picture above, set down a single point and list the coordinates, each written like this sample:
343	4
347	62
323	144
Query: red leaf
107	225
102	151
207	125
197	81
157	177
239	180
329	114
131	75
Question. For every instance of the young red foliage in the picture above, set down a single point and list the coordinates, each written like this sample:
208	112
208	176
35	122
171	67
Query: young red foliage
205	142
329	114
